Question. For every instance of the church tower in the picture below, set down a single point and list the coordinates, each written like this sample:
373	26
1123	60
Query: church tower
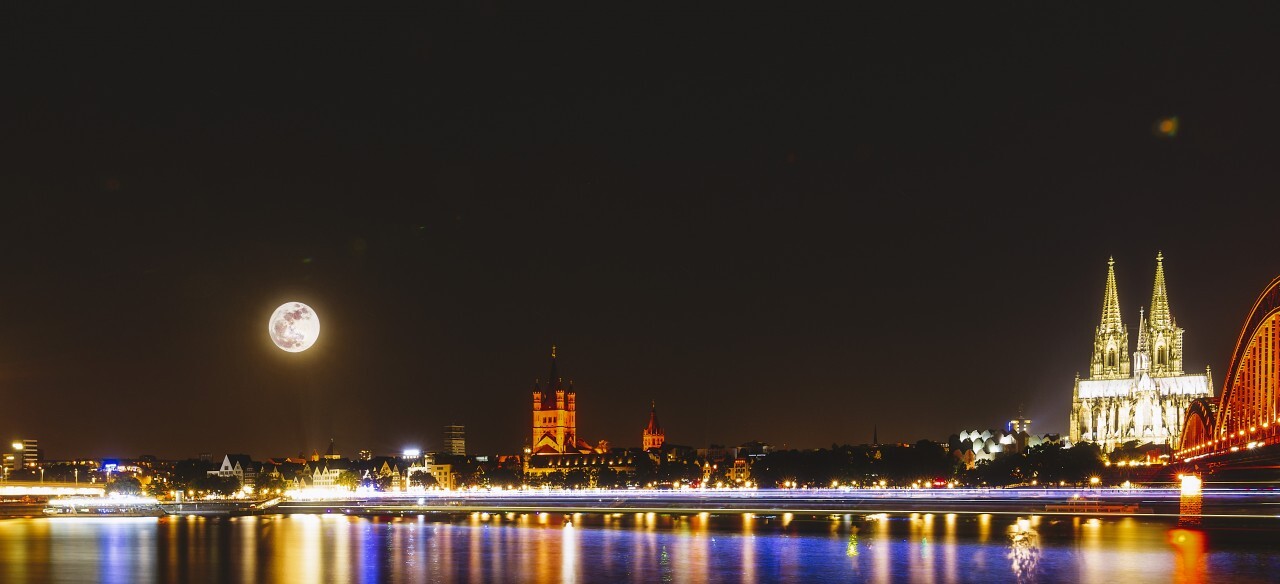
1164	337
555	416
1111	340
653	436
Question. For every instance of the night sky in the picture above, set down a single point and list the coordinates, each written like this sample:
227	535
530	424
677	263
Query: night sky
781	227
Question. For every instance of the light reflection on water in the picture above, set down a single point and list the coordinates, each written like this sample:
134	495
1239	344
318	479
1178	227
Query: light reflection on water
641	547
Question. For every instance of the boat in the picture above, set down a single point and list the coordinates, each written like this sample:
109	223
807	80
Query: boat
1083	505
103	507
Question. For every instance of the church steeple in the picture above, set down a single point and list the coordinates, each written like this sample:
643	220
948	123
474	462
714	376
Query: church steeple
652	437
653	417
553	382
1110	340
1161	317
1143	345
1111	301
1163	334
1142	355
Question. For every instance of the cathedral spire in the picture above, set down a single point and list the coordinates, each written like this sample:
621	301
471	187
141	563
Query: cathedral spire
1161	317
653	418
1142	331
1111	340
1111	301
553	382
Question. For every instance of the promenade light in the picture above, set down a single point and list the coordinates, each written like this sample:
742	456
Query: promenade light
1094	480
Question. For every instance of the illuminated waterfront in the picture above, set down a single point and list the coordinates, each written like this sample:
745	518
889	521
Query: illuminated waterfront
634	547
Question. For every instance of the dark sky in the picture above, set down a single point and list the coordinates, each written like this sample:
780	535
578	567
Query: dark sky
784	227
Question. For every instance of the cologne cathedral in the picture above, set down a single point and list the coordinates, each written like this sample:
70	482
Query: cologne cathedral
1141	396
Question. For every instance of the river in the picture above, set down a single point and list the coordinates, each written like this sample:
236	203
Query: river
635	547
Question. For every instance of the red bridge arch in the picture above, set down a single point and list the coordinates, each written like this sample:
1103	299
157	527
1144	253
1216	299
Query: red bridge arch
1245	414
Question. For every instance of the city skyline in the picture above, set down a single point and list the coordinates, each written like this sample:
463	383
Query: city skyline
785	236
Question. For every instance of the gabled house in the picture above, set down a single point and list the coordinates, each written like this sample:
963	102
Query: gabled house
240	466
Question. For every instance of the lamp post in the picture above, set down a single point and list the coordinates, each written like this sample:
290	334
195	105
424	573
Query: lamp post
42	474
77	469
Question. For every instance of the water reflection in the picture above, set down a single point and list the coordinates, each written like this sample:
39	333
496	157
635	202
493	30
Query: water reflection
569	557
1024	550
1189	565
622	548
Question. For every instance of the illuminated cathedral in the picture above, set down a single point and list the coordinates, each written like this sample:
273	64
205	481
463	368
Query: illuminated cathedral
1141	397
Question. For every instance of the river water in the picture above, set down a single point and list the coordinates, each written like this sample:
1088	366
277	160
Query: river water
633	547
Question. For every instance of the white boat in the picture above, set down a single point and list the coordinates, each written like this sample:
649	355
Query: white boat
103	507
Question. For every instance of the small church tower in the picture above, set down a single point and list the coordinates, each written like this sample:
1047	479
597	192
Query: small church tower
653	436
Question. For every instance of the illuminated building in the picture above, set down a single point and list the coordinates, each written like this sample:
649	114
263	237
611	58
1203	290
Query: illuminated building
653	436
555	421
240	466
444	476
971	446
324	472
540	466
1141	399
455	440
740	472
25	454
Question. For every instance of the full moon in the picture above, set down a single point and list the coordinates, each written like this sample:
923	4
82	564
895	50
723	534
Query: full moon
294	327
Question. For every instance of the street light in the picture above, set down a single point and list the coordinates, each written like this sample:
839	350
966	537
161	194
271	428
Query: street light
42	474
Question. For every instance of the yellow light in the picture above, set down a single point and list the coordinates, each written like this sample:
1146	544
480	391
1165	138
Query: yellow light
17	446
1190	484
1094	480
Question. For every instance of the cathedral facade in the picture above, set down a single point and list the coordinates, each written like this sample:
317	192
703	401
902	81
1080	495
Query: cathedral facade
1140	396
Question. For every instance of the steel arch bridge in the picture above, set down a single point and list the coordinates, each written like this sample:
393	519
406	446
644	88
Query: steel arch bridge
1245	415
